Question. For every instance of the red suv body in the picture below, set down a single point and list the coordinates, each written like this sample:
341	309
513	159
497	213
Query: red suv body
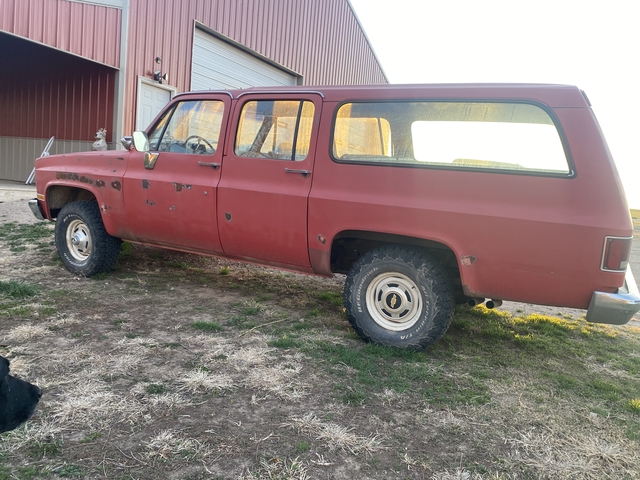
423	195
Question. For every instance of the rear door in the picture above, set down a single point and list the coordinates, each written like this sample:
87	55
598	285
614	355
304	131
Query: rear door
174	202
268	169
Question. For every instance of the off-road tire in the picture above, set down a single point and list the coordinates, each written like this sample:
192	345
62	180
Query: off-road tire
95	251
402	277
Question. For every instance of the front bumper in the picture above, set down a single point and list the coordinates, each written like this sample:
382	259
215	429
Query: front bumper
34	205
615	308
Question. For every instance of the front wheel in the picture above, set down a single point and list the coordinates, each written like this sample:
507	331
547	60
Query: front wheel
84	245
399	296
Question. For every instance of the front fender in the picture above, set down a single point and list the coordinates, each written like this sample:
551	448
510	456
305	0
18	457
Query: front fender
61	179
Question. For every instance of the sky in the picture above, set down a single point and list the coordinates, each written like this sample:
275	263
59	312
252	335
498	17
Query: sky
594	45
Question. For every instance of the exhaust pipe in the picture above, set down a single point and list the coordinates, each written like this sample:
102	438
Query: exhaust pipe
493	303
472	302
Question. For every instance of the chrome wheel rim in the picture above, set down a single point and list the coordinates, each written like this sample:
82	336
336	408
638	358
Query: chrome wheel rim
78	240
394	301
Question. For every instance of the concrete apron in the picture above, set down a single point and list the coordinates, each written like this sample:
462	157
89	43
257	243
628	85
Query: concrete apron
14	191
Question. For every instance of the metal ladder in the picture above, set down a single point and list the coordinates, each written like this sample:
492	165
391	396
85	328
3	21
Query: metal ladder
45	153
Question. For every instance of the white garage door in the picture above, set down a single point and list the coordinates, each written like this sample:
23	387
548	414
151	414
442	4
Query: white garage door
220	65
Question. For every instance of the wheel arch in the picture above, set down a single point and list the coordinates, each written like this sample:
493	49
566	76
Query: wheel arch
349	245
57	196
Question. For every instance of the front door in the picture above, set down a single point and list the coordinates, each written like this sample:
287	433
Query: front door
174	202
151	100
266	180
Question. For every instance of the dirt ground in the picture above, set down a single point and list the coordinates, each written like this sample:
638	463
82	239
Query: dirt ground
186	367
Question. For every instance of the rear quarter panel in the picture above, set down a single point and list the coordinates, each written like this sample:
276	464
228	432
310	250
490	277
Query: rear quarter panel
536	239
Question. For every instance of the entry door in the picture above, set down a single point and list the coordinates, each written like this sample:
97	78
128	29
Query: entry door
266	179
151	101
174	202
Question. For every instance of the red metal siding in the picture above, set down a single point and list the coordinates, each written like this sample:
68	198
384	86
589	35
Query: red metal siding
53	94
91	31
321	40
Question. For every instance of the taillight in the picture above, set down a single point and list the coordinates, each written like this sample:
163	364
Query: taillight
615	256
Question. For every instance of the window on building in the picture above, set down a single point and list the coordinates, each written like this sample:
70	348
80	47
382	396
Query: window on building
498	136
191	127
279	129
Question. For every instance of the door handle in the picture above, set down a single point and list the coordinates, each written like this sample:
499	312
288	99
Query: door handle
304	173
215	166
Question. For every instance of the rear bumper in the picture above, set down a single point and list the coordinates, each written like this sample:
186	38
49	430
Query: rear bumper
615	308
34	205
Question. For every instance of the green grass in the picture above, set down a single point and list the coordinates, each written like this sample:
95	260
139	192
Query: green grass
302	447
285	342
156	389
69	470
92	437
20	237
334	298
207	326
634	406
126	250
40	449
18	290
561	354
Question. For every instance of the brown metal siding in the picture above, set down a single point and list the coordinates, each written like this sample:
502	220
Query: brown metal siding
71	107
53	94
91	31
321	40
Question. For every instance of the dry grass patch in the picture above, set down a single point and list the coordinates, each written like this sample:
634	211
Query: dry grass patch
26	332
170	443
91	403
278	469
333	436
201	381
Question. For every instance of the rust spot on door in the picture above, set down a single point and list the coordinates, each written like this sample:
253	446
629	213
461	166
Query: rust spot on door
145	184
180	186
116	185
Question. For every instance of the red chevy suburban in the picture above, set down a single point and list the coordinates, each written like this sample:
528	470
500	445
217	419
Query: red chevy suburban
424	195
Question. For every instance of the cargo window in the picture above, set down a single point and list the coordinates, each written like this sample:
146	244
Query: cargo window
470	135
191	127
275	129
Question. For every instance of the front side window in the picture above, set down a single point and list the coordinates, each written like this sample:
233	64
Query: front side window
498	136
278	129
191	127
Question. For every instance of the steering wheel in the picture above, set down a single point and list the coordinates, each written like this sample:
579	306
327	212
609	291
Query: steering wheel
201	142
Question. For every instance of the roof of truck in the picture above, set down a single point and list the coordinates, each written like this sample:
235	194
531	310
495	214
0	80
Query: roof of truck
553	95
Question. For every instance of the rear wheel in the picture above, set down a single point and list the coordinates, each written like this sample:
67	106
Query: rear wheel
399	296
84	245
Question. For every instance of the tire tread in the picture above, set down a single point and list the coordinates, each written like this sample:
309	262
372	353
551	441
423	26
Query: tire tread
105	250
440	286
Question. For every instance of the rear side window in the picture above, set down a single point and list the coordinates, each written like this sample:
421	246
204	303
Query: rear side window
278	129
467	135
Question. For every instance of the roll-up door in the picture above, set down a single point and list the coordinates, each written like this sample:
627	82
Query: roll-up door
218	64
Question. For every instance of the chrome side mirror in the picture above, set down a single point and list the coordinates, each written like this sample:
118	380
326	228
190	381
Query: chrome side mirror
127	142
140	141
141	144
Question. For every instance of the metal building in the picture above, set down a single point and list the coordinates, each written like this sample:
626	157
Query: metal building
70	67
